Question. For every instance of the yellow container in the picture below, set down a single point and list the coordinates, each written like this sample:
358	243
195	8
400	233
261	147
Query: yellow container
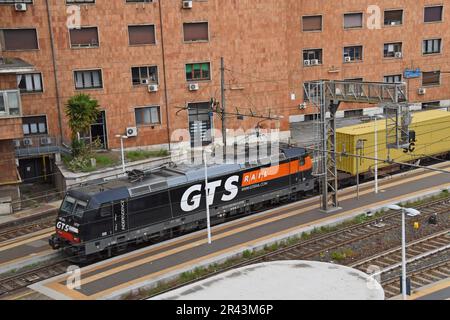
432	130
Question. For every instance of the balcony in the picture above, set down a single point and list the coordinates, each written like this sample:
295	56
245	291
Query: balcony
10	115
31	146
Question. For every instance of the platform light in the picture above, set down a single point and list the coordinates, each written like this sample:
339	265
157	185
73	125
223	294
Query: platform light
411	212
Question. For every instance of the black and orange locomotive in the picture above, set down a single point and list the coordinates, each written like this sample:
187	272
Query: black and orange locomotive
107	216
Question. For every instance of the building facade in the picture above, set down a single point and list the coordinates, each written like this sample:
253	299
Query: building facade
156	65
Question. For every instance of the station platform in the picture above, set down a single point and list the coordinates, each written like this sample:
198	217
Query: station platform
438	291
117	277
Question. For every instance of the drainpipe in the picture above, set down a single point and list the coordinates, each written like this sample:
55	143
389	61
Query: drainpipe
164	73
58	100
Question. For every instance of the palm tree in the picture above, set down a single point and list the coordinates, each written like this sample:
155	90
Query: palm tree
82	111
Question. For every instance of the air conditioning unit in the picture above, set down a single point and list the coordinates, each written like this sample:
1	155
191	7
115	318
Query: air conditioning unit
422	91
132	132
16	143
187	4
398	54
348	59
307	62
27	142
45	141
20	6
315	62
153	88
193	87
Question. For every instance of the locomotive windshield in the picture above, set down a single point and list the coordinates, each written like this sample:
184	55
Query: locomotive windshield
72	206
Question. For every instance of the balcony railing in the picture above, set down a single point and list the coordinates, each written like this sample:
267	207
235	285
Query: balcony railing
10	104
38	145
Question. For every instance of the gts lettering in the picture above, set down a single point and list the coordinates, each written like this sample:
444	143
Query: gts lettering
62	226
191	198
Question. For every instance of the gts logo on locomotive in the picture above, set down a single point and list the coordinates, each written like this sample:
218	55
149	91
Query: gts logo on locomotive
65	227
192	197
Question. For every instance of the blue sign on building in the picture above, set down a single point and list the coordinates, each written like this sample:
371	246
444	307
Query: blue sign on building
412	73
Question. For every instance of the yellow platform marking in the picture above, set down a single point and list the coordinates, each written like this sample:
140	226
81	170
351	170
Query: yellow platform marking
431	289
55	284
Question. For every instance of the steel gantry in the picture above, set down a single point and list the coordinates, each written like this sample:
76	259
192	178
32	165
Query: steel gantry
326	96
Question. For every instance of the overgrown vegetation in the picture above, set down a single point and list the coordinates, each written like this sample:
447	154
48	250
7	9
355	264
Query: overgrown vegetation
102	160
144	154
342	255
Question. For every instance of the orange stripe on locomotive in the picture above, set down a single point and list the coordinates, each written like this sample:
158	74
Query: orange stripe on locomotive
275	172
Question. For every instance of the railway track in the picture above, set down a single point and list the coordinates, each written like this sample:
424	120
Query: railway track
428	261
314	247
14	232
15	282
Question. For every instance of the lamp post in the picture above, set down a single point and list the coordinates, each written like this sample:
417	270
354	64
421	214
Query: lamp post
208	220
121	150
413	212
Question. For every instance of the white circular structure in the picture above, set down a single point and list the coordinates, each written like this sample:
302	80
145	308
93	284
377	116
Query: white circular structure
283	280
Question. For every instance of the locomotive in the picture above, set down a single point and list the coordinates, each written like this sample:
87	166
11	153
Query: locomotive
151	205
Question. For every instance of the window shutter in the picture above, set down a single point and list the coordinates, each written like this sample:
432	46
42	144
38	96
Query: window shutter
353	20
84	37
313	23
141	35
196	31
20	39
433	14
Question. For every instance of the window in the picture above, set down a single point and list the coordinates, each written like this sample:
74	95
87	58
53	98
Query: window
16	1
141	35
393	50
196	31
144	75
353	53
34	125
433	14
19	39
84	37
88	79
198	71
431	46
432	78
353	113
80	1
431	105
393	17
313	56
312	23
200	123
29	82
147	116
393	79
10	104
353	20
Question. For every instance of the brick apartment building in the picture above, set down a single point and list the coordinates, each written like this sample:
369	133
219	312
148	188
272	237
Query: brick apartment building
270	48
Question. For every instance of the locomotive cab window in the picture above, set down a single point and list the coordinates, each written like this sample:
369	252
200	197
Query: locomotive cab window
68	205
80	207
